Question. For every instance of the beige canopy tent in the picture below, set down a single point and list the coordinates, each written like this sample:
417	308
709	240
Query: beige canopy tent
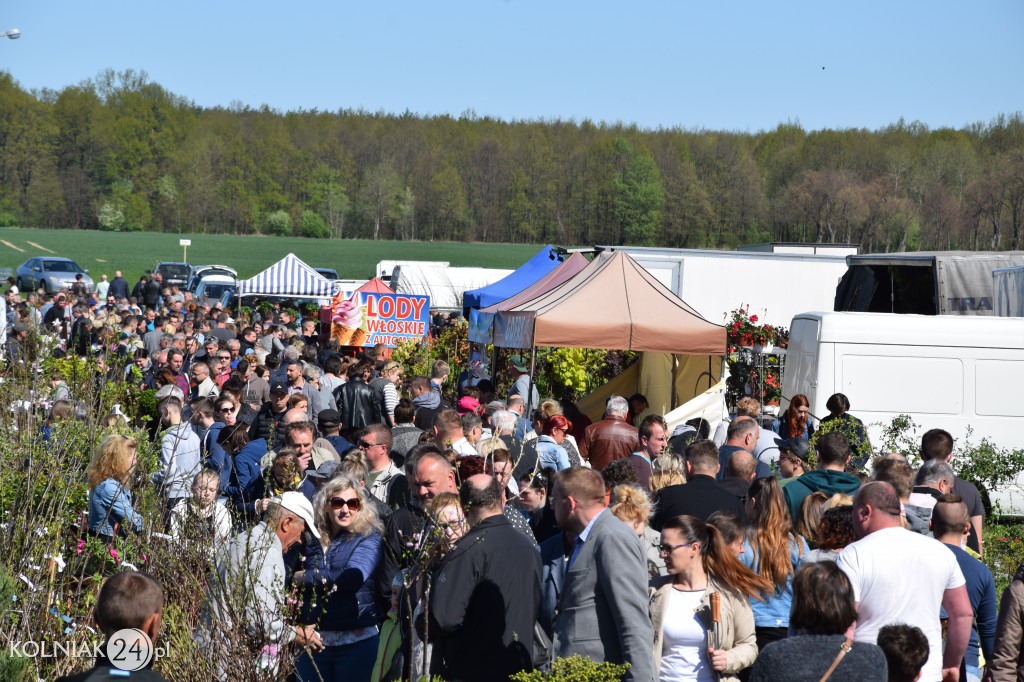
615	304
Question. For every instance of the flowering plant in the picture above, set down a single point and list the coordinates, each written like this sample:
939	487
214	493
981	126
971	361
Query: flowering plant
743	330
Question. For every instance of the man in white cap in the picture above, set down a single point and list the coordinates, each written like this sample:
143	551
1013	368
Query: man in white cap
250	580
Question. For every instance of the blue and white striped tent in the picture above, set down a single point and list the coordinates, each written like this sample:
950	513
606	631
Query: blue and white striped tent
288	277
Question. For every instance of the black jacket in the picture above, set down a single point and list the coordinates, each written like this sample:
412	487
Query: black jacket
152	293
118	288
484	604
359	404
701	496
266	421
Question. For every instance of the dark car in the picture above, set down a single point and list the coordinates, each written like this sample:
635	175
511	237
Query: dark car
173	273
329	273
50	273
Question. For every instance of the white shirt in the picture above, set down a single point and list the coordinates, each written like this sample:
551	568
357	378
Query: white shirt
463	447
899	576
684	644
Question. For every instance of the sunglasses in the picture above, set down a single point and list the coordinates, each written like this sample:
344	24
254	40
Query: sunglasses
337	503
223	357
668	549
225	410
364	444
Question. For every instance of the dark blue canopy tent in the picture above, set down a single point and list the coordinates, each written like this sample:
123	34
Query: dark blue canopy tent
532	270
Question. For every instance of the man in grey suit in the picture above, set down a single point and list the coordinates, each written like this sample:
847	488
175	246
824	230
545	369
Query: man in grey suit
603	612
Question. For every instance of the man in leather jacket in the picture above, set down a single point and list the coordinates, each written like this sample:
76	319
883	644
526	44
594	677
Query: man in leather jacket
359	404
611	438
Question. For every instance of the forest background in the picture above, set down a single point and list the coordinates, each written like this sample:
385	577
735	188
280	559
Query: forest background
121	153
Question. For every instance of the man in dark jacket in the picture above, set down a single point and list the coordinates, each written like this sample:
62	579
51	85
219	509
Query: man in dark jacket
267	420
151	294
701	495
359	404
426	402
611	438
486	593
118	287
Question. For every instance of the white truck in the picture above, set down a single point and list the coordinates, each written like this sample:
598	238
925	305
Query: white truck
385	268
444	285
947	372
775	285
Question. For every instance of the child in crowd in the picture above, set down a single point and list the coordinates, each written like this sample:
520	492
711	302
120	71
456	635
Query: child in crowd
906	651
202	519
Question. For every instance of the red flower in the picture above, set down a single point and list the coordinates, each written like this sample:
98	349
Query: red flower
753	318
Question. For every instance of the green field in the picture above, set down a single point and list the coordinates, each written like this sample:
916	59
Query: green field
134	253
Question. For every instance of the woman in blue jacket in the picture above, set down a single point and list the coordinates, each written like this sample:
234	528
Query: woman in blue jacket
111	512
339	585
550	452
237	459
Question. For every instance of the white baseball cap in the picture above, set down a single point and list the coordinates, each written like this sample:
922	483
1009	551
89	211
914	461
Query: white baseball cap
297	504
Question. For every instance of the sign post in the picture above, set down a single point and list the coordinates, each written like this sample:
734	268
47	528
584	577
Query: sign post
184	243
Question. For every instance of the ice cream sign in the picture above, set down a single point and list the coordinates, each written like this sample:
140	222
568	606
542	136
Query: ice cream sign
366	319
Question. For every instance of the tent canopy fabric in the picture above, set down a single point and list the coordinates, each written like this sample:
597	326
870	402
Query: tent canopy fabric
528	273
375	286
482	320
613	304
288	277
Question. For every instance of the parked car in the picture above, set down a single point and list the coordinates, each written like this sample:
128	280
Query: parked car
212	287
198	272
173	273
328	273
50	273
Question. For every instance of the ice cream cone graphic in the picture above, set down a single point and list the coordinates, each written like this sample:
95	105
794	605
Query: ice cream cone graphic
347	320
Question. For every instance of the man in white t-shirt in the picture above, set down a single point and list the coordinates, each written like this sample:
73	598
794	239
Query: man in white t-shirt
902	577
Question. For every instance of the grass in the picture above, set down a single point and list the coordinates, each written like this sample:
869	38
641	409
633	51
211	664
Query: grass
134	253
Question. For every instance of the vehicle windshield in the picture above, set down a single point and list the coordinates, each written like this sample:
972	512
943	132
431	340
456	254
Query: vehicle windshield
61	266
173	270
216	290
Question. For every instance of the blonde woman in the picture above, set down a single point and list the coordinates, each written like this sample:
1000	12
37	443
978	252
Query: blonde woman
111	511
339	585
630	504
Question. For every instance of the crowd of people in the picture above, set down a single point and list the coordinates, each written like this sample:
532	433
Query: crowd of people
479	537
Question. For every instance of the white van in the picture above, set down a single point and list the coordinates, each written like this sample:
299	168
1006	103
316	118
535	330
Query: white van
945	372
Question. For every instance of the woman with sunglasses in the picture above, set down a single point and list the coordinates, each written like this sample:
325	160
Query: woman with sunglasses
688	643
225	410
338	580
550	452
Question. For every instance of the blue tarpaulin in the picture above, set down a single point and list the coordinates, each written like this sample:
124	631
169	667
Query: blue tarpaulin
532	270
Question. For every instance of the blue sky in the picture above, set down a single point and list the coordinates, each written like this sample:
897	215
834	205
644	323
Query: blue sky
740	65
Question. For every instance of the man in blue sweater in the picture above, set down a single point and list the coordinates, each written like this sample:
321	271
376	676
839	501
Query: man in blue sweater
950	525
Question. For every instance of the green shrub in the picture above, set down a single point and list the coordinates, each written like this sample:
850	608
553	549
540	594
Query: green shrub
8	219
313	226
575	669
279	224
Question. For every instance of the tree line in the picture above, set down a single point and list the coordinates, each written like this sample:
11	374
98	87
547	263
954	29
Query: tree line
120	152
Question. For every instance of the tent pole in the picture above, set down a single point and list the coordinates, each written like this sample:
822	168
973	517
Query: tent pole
529	389
494	363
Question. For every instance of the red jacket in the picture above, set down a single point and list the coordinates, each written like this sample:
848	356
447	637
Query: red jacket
609	439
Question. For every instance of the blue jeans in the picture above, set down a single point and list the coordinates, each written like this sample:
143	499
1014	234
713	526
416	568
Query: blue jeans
346	663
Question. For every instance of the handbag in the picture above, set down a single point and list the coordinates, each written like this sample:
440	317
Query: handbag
844	649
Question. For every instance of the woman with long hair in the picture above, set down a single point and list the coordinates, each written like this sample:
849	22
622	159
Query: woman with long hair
667	469
111	511
796	421
823	609
550	452
774	550
338	580
688	643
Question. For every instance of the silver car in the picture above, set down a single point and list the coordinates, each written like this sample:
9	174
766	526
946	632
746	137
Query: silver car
50	273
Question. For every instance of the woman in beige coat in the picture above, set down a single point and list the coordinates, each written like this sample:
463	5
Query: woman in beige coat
689	643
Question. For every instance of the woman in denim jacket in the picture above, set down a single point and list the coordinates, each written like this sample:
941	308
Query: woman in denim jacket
111	511
339	580
550	452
